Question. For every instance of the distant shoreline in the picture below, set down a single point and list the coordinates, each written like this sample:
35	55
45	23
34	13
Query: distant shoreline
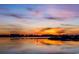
46	36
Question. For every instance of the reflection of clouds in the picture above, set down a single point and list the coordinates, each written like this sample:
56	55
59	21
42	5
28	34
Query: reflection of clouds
53	48
33	46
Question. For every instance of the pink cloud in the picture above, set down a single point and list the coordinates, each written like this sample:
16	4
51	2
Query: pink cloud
53	12
66	14
61	13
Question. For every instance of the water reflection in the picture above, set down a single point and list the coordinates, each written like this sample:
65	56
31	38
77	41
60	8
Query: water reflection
23	45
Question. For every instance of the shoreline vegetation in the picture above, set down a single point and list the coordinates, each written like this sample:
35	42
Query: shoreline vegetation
45	36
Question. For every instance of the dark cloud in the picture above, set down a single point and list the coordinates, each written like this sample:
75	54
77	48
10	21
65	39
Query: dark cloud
4	9
68	25
13	15
53	18
29	9
45	29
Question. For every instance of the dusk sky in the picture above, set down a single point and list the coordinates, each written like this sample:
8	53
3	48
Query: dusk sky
31	17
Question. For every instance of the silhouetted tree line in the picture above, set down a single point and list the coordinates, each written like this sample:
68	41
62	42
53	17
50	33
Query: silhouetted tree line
51	37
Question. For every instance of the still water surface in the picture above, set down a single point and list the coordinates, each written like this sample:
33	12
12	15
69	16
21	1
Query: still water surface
33	46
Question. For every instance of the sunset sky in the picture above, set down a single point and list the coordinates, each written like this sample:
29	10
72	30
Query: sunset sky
33	18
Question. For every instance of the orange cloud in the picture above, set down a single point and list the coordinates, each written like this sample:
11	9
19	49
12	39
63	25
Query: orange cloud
65	14
59	31
53	31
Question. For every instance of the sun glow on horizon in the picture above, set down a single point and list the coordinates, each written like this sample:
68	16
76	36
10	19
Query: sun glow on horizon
52	31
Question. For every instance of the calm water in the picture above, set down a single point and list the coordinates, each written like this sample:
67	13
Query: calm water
23	45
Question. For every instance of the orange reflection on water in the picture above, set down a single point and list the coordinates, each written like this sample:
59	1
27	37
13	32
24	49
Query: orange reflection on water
42	41
51	42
